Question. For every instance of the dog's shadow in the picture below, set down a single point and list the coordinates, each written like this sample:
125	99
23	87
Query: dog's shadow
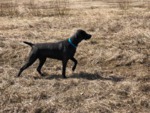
88	76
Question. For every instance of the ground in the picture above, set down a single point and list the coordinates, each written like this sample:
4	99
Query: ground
113	71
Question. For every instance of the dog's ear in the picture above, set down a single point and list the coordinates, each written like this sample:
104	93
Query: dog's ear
76	34
79	33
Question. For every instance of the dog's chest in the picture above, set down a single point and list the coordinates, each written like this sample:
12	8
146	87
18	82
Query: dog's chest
70	52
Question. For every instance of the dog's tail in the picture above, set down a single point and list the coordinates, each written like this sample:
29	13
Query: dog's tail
28	43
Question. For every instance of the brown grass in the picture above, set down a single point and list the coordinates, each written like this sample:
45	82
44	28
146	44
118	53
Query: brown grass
113	71
33	8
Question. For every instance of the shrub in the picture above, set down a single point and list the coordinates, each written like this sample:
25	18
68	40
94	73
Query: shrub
8	9
60	7
124	4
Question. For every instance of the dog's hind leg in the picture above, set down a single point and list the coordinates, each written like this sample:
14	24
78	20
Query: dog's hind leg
75	63
32	58
41	62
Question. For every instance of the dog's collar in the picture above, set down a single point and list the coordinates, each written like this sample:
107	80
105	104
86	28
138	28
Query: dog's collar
69	40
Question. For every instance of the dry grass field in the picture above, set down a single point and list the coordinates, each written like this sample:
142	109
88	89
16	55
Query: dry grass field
113	73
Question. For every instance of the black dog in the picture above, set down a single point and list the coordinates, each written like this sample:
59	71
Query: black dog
63	50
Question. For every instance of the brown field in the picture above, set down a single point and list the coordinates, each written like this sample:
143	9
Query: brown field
113	71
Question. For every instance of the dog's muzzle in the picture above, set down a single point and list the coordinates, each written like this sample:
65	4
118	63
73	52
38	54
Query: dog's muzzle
88	37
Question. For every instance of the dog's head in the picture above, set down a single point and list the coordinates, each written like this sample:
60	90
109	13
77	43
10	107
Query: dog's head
83	35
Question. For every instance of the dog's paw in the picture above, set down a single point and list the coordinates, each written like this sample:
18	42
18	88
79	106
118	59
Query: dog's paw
73	69
64	77
42	74
17	76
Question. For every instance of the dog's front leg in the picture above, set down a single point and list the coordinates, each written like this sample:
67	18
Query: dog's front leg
64	62
75	63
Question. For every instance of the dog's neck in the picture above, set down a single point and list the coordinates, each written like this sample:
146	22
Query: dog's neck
75	41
